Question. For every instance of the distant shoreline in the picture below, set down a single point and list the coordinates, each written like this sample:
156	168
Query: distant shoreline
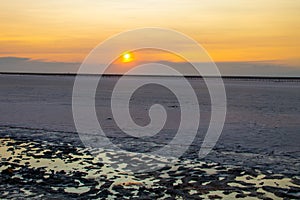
187	76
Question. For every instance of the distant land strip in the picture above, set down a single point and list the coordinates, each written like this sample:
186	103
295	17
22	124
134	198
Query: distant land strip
279	78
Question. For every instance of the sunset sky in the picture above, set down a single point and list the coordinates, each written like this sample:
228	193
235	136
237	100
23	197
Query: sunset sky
232	31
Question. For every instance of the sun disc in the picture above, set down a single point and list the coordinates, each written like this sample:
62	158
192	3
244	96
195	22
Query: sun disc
127	57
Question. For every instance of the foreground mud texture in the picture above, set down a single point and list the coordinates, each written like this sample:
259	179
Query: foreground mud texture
37	170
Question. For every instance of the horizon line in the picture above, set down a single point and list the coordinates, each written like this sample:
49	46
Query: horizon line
152	75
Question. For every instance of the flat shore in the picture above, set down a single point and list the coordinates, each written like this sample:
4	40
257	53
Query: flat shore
257	155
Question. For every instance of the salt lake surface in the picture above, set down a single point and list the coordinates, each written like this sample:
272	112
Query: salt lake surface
260	139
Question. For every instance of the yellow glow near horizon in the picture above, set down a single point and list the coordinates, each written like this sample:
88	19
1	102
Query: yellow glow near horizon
230	30
127	57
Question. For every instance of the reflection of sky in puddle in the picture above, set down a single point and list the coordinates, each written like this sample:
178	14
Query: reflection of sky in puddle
83	162
53	159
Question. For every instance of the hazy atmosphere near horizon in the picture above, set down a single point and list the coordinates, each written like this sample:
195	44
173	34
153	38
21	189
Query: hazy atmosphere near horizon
242	37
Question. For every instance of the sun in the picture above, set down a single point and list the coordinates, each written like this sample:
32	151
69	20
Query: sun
127	57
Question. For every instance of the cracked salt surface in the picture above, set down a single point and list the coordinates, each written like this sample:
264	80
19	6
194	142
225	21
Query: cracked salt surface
40	170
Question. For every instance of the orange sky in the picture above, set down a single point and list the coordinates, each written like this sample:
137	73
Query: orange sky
230	30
